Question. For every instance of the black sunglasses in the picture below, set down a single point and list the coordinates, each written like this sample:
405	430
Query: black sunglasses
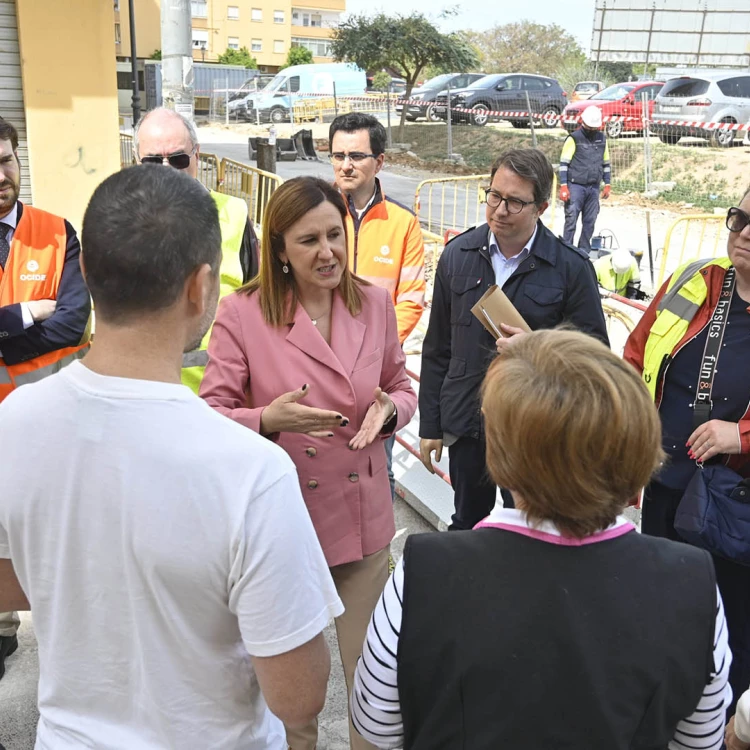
737	219
178	161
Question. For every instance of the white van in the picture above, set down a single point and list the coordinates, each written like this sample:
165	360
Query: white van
274	102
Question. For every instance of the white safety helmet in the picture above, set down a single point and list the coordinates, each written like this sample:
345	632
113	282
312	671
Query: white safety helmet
622	260
592	117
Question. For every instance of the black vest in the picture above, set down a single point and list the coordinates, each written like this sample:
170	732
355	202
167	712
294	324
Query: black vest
587	167
510	643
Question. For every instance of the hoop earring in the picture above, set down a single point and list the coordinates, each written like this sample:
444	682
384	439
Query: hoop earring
285	268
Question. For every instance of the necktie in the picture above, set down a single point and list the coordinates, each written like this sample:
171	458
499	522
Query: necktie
4	245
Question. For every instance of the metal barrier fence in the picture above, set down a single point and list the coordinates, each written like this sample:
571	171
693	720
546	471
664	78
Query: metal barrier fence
209	171
127	152
692	237
457	203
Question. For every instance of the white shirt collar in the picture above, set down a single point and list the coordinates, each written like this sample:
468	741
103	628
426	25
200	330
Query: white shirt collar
525	250
11	219
360	212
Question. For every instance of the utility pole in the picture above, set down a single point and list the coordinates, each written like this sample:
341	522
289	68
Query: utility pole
177	56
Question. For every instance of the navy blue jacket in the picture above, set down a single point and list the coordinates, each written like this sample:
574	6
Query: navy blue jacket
65	327
554	284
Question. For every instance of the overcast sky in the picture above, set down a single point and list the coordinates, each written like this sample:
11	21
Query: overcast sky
575	16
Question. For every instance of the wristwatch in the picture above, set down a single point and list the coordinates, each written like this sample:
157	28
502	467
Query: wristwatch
389	423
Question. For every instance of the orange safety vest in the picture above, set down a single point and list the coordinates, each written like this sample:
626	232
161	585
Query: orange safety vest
32	272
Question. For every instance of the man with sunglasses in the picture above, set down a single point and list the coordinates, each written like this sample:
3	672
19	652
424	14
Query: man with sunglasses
163	136
385	239
44	303
548	281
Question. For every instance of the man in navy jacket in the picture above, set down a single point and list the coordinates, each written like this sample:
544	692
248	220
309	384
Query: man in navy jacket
548	281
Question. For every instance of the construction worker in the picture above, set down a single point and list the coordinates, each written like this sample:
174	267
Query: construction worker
584	163
164	136
385	239
45	306
618	273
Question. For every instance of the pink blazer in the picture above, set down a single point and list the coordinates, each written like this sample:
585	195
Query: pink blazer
251	363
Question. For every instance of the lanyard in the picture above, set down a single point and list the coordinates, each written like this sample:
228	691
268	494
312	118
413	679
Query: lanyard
716	328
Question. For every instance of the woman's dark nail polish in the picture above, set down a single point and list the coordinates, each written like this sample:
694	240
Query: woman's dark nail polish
344	423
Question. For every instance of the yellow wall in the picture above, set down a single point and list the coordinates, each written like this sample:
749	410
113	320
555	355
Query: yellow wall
147	26
70	97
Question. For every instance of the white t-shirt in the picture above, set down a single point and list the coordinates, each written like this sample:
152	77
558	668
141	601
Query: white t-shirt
159	543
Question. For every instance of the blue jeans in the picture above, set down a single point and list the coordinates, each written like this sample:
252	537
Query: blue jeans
389	443
584	202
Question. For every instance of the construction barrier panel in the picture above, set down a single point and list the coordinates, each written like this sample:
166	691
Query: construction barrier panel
690	238
253	185
209	170
127	152
457	203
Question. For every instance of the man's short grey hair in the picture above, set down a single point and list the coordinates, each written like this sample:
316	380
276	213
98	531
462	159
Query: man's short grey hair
532	165
192	134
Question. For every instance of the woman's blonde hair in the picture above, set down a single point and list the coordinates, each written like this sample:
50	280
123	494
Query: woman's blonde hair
571	428
278	290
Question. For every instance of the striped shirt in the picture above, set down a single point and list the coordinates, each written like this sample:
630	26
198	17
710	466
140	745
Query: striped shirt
375	707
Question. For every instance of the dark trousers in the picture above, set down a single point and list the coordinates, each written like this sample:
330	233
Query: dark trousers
584	202
659	510
474	491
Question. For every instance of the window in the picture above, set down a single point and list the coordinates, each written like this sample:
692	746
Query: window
125	81
233	13
118	37
256	14
681	87
293	84
738	86
200	39
278	47
199	9
278	16
319	47
533	84
300	18
512	83
117	6
233	42
256	45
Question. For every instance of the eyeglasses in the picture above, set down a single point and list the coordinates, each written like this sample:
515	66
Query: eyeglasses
178	161
357	157
737	219
512	205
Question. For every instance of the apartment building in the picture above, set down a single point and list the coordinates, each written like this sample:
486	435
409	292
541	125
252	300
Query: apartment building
268	28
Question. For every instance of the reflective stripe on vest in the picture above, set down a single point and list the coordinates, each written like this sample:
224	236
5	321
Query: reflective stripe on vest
233	216
686	292
32	272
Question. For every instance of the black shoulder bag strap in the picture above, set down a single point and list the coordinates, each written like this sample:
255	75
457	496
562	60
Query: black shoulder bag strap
716	327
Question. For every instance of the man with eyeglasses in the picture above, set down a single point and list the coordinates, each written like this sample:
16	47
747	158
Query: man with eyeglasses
385	239
548	281
44	303
164	136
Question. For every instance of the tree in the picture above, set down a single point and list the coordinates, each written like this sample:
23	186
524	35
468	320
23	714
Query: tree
297	56
526	47
573	72
239	56
381	81
406	45
155	55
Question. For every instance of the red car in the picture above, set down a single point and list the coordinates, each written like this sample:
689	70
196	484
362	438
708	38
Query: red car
621	106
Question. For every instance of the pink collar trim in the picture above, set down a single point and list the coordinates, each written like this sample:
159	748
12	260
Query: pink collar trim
511	519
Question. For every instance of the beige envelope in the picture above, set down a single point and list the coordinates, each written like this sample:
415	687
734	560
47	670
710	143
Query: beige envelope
495	308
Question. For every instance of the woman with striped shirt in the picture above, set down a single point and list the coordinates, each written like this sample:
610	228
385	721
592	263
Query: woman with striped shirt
555	624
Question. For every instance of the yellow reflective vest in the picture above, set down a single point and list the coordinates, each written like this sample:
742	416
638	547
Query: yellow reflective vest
683	298
615	282
232	218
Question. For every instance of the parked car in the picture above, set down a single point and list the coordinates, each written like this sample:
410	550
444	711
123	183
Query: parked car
585	90
705	98
426	94
238	100
623	101
502	92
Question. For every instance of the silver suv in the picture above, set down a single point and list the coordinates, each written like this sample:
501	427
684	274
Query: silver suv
687	103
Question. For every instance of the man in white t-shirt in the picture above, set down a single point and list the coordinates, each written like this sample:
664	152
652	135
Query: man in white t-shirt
177	585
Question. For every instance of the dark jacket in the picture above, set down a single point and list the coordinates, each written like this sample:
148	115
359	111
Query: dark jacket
603	646
555	284
65	327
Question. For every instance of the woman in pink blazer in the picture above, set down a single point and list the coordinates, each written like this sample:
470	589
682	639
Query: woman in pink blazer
308	355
